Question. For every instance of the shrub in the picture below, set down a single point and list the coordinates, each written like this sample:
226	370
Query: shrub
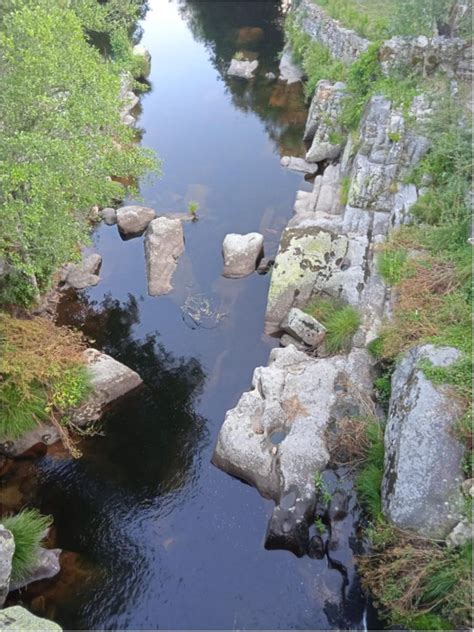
28	529
341	322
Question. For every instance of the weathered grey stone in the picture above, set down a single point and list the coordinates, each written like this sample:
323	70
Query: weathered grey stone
144	53
421	488
460	535
47	566
133	220
306	257
241	254
7	549
164	243
271	76
110	380
343	43
289	71
304	327
84	274
298	164
17	619
468	487
275	438
109	216
242	68
322	126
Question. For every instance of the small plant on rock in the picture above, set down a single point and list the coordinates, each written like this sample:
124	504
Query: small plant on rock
28	528
341	322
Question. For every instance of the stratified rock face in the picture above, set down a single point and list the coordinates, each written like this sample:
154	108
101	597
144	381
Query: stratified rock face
289	71
275	438
164	243
241	254
84	274
242	68
421	488
7	549
306	257
47	566
133	220
427	55
323	127
110	380
343	43
17	619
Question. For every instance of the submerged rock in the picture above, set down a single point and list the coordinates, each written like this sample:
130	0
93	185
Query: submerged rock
304	327
47	566
7	549
164	243
110	380
289	71
299	164
133	220
421	488
84	274
275	438
17	619
241	254
242	68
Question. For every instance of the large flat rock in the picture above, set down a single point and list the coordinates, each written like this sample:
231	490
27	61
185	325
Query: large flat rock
164	243
421	489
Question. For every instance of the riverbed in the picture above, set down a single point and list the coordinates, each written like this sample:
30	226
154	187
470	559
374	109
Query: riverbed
163	539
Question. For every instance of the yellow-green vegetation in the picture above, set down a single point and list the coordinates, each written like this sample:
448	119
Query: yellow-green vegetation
29	529
369	18
340	320
64	148
42	373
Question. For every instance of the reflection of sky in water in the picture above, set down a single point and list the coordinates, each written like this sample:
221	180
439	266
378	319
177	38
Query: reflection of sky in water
180	544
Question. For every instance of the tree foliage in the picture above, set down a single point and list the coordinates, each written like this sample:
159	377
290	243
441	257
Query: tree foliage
62	139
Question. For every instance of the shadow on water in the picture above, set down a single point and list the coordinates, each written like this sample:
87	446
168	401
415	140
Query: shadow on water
155	536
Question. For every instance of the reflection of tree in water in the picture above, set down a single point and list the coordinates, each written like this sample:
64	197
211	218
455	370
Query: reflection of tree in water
151	438
226	27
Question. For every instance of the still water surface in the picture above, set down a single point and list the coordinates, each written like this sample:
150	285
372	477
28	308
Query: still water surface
167	540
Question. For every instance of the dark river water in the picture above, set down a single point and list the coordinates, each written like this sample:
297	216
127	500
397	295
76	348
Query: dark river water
159	537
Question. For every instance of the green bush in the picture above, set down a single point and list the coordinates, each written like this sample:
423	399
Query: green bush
341	322
28	529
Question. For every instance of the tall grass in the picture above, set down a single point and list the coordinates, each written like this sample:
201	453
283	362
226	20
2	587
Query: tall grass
28	528
341	322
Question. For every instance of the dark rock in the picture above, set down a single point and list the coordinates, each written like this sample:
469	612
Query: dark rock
265	265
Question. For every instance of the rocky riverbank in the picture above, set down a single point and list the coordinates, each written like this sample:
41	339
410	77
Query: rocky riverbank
279	436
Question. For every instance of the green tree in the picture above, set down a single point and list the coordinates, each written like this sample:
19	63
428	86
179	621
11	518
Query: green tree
61	141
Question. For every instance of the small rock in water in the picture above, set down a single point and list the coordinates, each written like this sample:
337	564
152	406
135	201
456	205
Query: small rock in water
109	216
164	243
299	164
84	274
243	69
271	76
241	254
133	220
265	265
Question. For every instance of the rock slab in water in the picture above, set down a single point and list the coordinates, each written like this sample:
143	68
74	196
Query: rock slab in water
47	566
299	164
7	549
241	254
421	488
275	438
133	220
289	71
84	274
304	327
242	68
164	243
17	619
110	380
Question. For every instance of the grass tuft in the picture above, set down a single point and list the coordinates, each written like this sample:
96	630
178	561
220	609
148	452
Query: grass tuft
341	321
28	528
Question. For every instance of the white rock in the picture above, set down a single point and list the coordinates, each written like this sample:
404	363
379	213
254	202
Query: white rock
133	220
241	254
242	68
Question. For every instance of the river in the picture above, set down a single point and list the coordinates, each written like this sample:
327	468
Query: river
161	538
